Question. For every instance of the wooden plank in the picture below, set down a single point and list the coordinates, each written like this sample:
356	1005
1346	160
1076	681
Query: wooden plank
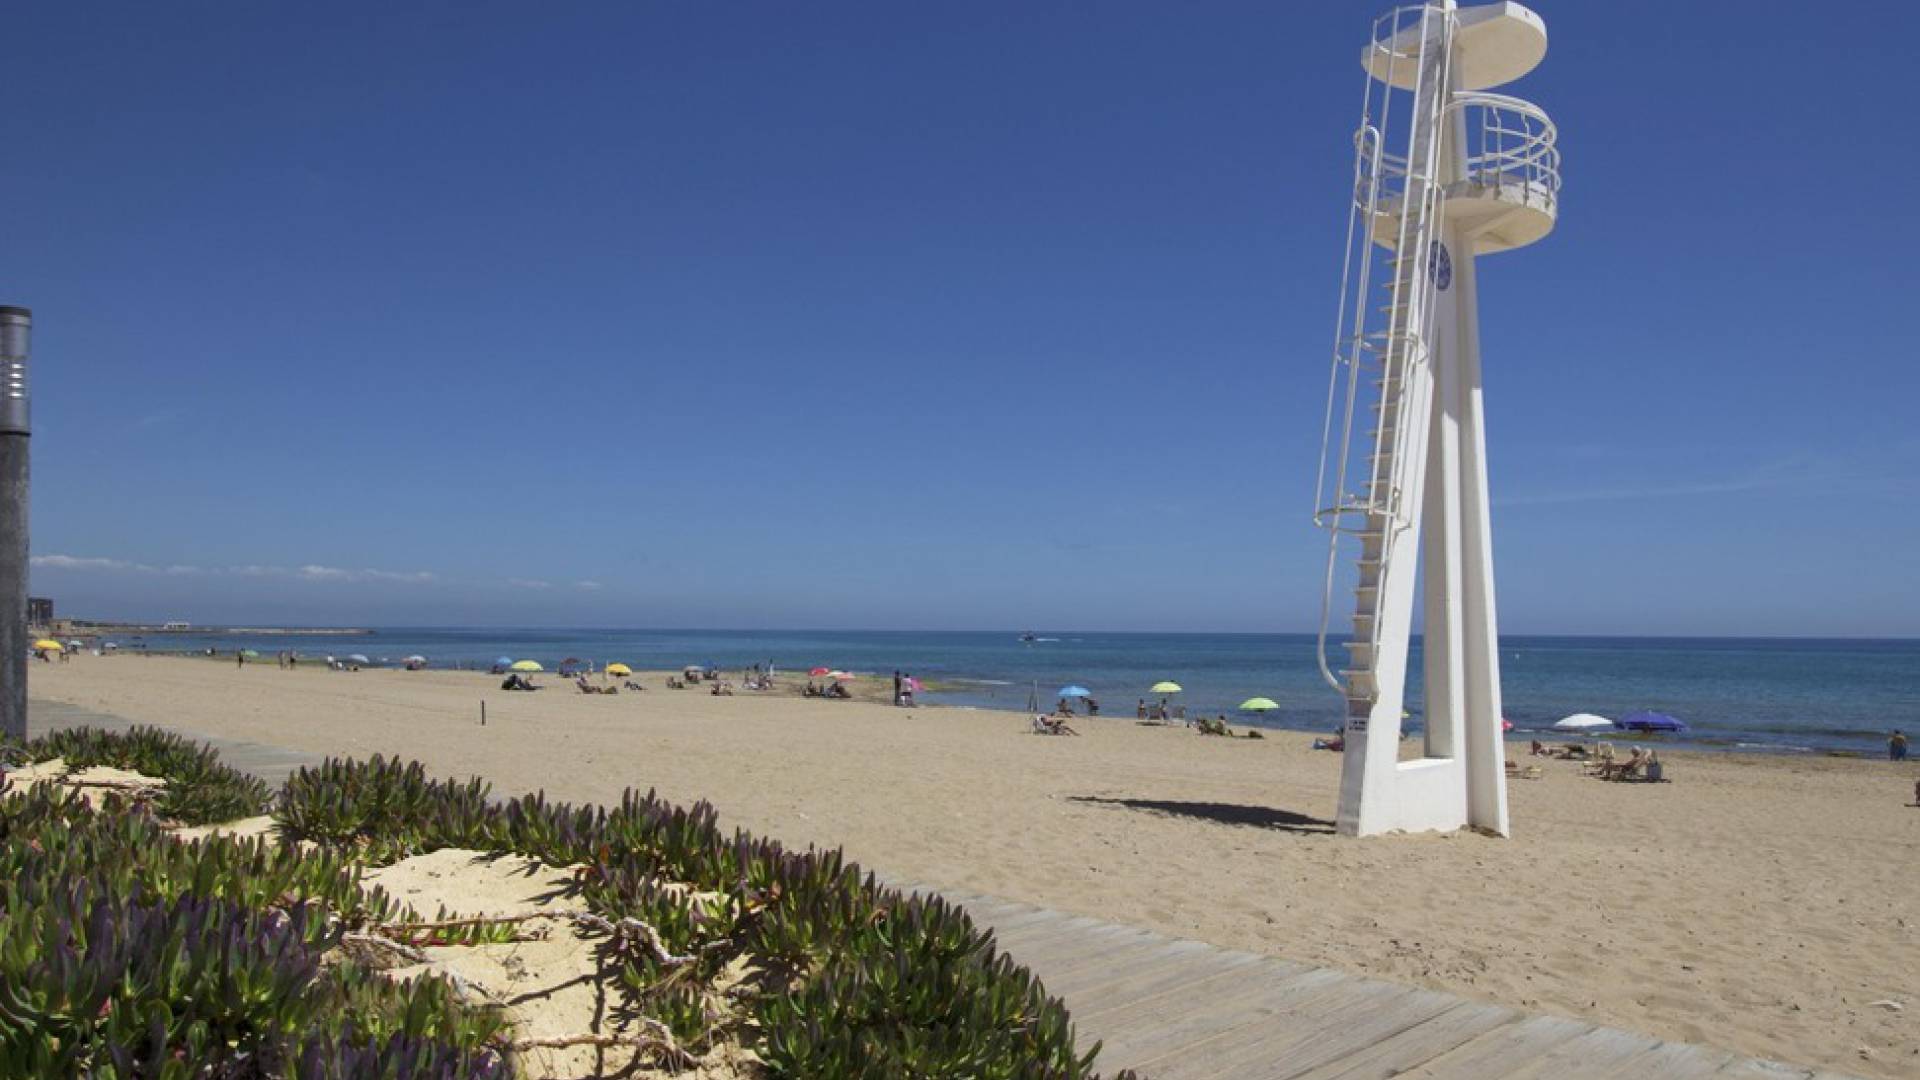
1311	1029
1176	969
1068	948
1036	927
1150	1031
1112	955
1602	1052
1758	1069
1417	1045
1680	1061
1502	1050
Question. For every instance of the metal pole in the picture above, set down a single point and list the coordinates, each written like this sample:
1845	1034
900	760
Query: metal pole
15	325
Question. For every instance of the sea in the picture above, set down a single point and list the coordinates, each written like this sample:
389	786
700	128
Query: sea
1764	695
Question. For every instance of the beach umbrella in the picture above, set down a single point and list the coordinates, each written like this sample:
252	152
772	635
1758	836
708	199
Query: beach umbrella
358	658
841	676
47	643
1259	704
819	671
76	644
1651	721
619	669
503	661
1165	687
415	659
1506	724
111	645
528	665
250	654
1074	691
1582	721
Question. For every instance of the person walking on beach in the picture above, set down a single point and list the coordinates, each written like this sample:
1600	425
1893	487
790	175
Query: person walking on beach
896	686
240	658
1896	746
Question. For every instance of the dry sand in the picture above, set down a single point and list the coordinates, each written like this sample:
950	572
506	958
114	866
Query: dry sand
1759	904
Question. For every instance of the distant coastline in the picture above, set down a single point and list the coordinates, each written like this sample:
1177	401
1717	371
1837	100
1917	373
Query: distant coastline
83	626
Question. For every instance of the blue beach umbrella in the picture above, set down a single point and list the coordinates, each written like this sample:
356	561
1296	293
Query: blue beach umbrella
1651	721
1075	690
504	661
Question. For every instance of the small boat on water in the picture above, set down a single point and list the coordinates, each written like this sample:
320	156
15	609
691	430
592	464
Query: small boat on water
1029	637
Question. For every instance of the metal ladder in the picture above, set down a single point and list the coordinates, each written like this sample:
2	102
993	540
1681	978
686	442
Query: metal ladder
1396	206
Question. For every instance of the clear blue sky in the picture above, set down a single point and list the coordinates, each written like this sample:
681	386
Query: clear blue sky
912	315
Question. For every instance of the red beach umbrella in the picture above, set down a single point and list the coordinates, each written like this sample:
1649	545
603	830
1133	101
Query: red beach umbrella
816	672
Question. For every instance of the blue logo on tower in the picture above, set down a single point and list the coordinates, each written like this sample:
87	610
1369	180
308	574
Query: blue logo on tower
1440	265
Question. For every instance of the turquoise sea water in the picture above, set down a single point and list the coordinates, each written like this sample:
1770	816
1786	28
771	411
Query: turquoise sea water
1782	695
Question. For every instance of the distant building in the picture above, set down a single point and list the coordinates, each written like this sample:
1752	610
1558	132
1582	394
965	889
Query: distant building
39	611
177	624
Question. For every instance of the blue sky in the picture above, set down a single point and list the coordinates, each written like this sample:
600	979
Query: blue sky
883	315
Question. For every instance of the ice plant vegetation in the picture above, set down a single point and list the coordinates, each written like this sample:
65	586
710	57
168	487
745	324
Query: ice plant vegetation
125	952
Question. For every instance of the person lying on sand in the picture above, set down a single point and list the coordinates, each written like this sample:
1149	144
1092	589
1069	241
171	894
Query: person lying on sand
837	690
1052	725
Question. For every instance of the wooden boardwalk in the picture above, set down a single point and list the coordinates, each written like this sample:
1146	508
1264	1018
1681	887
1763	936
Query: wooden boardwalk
1184	1010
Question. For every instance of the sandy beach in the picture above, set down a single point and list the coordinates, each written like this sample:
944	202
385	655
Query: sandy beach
1758	904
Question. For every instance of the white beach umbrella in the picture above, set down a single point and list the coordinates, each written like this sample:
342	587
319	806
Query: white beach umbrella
1582	721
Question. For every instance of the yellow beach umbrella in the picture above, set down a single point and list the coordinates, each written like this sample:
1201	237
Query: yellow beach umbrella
619	669
528	665
1259	704
48	643
1165	688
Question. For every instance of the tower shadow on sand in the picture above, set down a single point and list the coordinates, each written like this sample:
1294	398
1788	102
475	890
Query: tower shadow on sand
1259	817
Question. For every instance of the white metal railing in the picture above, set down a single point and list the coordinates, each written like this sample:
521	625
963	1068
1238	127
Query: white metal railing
1411	51
1512	145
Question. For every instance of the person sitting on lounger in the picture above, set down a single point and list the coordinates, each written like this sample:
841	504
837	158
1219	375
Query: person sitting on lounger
1065	708
837	690
1052	725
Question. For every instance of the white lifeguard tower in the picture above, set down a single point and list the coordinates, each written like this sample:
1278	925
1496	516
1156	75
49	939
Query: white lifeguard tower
1443	172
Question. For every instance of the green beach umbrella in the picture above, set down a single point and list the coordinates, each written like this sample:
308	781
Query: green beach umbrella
528	665
249	653
1167	687
1258	704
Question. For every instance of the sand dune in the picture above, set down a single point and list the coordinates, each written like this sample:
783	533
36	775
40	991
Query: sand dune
1757	904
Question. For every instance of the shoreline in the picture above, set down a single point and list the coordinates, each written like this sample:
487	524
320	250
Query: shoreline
958	693
92	629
